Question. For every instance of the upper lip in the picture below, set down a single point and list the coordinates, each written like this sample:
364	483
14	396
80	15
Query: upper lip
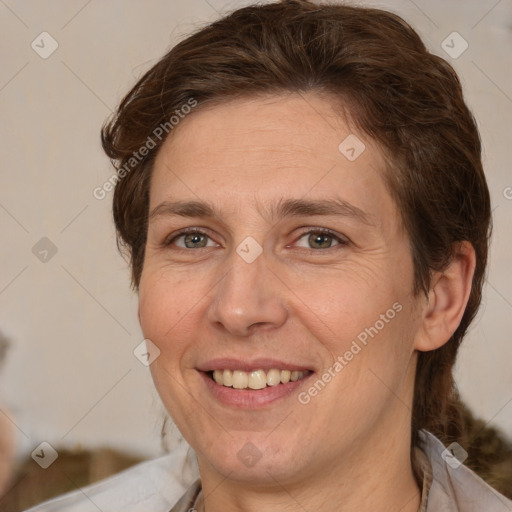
248	365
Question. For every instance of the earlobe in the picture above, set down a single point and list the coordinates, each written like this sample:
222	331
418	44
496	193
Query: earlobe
448	297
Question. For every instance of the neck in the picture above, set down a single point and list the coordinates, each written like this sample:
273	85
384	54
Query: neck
377	477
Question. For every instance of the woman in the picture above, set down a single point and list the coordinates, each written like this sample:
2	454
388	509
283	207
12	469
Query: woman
300	190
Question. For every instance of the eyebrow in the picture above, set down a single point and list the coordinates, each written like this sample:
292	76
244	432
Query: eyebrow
281	209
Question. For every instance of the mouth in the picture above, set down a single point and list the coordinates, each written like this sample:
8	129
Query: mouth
256	379
254	387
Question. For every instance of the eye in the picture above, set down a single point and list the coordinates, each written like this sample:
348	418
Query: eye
321	238
192	238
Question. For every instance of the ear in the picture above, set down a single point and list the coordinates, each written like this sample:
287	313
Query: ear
447	299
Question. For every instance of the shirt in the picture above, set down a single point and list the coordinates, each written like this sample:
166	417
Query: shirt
171	483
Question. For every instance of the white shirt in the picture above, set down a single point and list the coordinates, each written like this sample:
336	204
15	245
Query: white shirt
163	485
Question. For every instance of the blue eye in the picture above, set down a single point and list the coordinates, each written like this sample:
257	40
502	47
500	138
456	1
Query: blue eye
194	238
319	236
190	236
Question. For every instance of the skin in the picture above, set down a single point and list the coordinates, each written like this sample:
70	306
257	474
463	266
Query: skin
299	301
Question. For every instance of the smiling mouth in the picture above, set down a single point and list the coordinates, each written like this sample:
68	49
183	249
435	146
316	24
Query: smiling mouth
257	379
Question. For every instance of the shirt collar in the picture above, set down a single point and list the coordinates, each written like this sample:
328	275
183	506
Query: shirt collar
188	500
424	469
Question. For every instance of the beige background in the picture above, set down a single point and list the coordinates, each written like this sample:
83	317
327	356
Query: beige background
71	376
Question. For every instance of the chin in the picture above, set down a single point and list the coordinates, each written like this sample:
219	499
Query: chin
257	462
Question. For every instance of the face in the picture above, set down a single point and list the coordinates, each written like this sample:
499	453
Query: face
301	266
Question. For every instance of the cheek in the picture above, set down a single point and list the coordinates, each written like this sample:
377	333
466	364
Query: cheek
165	314
345	307
163	307
166	296
369	324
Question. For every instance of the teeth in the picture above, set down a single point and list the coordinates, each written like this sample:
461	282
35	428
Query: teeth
285	376
227	378
240	380
256	379
273	377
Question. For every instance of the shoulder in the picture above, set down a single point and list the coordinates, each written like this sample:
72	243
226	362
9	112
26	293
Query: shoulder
154	485
454	486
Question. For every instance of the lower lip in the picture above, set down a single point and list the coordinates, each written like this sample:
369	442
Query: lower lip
252	398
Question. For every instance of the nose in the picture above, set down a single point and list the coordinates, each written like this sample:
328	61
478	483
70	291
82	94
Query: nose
249	297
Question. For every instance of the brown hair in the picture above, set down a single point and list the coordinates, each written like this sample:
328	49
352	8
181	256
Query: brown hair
406	99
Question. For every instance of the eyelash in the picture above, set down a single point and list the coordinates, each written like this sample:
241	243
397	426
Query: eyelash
323	231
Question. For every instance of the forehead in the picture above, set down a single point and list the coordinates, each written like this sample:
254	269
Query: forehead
255	152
